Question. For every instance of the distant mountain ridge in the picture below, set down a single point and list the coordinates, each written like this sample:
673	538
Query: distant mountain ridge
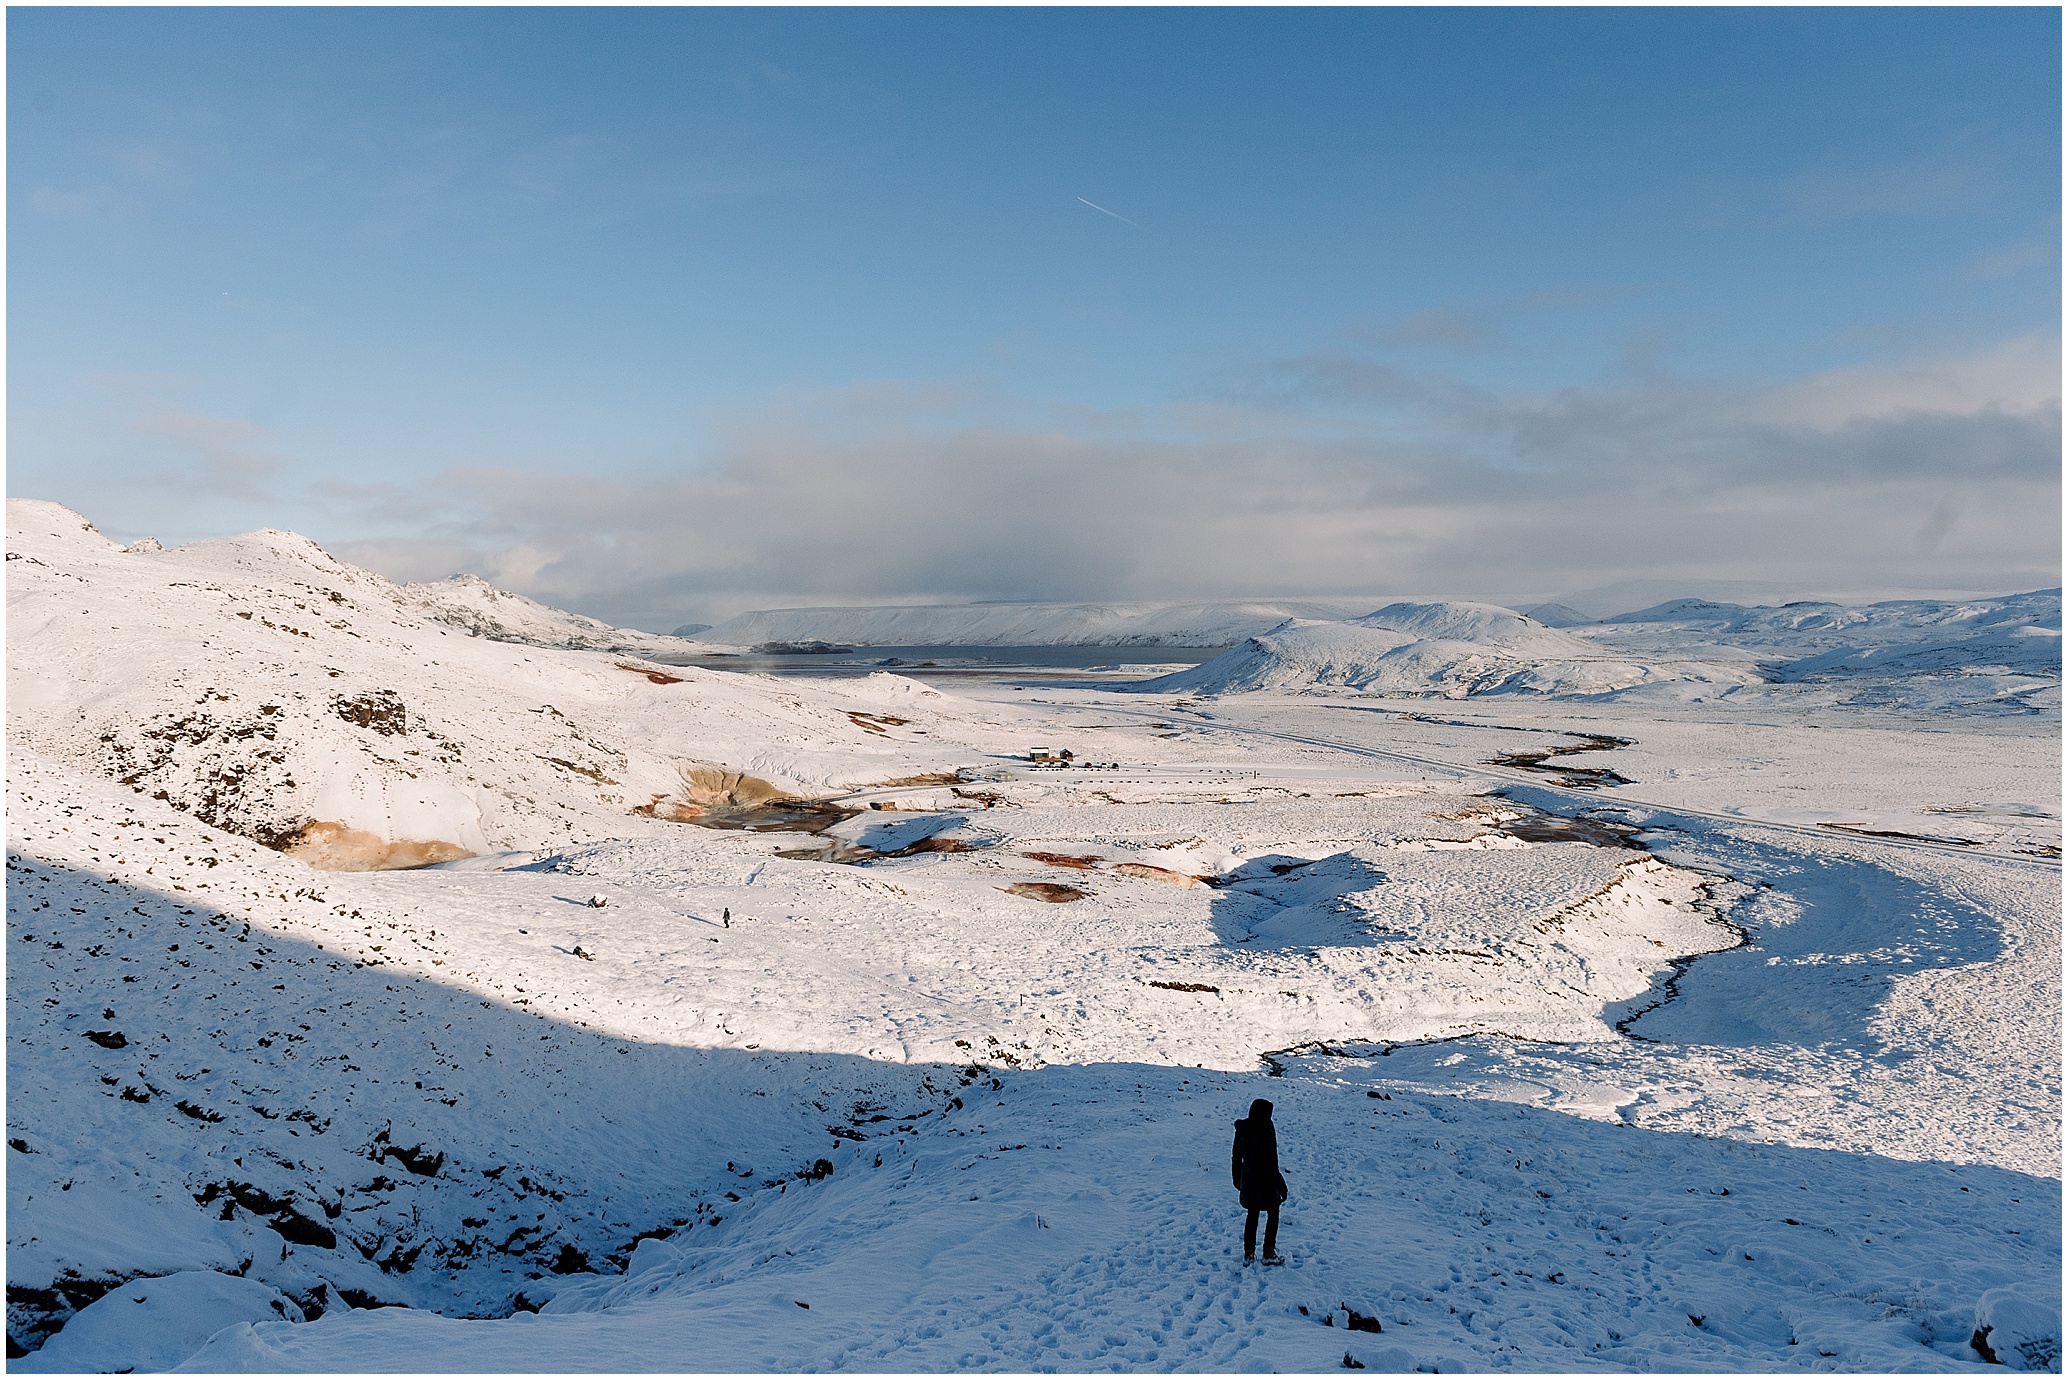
1450	649
1991	655
1087	624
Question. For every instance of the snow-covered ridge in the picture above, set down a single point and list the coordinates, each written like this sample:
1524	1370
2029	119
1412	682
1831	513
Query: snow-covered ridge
2040	608
1448	649
1136	624
473	605
2001	654
272	690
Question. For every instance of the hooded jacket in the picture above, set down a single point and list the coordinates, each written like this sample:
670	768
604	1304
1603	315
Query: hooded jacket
1255	1159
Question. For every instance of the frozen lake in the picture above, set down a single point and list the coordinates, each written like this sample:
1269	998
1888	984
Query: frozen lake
946	663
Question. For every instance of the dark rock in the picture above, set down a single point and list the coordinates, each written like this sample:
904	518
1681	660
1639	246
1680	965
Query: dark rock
380	710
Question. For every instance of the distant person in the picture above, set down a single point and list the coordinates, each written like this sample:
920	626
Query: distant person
1255	1166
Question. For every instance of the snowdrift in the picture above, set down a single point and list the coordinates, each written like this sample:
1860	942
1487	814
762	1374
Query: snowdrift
267	688
1447	649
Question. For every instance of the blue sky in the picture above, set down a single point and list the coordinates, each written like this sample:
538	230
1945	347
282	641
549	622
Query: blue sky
666	313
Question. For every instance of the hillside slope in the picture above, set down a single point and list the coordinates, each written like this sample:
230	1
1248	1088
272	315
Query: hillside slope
269	689
475	606
1970	656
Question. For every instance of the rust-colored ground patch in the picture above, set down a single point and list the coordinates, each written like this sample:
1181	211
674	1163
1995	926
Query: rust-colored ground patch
931	778
657	677
722	788
1158	874
715	797
1088	863
936	843
335	847
1045	891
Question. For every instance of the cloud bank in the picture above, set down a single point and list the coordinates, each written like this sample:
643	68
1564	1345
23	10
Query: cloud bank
1330	473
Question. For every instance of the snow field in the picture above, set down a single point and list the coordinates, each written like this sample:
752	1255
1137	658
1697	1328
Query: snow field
628	1132
1078	1219
958	1071
1993	785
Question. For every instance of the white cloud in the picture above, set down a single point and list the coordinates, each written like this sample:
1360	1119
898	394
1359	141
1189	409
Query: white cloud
1347	477
196	453
2019	377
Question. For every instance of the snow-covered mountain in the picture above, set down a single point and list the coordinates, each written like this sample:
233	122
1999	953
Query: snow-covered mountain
1448	649
1210	624
269	689
1807	624
1987	655
2000	653
1556	615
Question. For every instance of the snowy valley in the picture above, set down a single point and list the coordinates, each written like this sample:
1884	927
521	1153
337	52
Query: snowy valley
418	978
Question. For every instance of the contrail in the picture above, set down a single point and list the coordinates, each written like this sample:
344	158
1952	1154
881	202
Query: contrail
1115	214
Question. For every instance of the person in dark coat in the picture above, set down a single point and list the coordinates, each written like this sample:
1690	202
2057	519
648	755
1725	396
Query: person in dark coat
1255	1166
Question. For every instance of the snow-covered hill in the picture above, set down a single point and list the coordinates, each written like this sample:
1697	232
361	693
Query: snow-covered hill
1448	649
1790	625
271	690
1028	625
475	606
2009	651
1987	655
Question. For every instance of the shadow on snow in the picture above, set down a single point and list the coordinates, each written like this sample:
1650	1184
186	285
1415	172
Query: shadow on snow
231	1102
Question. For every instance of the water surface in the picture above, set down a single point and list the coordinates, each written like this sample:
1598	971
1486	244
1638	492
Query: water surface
949	663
